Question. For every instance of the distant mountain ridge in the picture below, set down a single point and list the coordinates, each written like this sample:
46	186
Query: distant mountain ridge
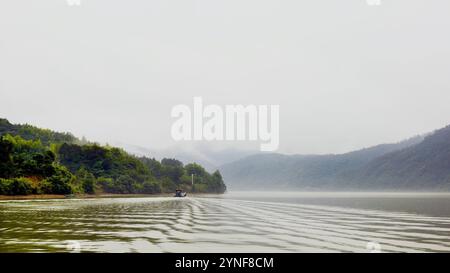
419	163
422	166
204	155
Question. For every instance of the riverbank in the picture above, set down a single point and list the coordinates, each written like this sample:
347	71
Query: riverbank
32	197
78	196
89	196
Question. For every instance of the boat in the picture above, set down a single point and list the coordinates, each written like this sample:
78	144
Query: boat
180	193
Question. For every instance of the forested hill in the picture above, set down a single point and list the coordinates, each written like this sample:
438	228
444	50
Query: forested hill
419	167
30	132
419	163
40	161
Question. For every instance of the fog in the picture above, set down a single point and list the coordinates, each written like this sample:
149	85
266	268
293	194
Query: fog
346	74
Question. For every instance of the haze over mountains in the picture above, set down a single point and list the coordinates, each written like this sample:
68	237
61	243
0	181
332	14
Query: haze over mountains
206	155
419	163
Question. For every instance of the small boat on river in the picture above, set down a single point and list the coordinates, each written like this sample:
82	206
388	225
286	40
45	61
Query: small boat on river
180	193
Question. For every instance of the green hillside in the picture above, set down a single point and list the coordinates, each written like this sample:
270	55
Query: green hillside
40	161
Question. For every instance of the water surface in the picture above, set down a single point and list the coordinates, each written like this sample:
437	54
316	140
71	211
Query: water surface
235	222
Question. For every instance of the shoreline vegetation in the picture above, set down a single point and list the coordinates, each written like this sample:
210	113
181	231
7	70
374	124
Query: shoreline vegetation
41	162
89	196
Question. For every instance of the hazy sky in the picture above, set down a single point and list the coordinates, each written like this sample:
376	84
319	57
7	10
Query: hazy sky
346	74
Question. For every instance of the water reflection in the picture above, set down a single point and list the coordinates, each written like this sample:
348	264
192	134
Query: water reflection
212	224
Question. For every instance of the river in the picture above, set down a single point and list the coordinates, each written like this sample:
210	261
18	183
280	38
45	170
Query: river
234	222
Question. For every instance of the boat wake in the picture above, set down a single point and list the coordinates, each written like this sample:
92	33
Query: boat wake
212	225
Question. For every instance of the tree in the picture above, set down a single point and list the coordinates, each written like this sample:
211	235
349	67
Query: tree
85	180
172	169
195	169
150	187
60	182
34	160
6	163
171	162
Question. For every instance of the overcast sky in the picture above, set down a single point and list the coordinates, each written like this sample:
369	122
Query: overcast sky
346	74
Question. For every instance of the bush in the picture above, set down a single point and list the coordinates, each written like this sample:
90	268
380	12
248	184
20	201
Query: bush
105	184
168	185
3	187
84	182
125	184
16	186
89	185
150	187
200	188
60	183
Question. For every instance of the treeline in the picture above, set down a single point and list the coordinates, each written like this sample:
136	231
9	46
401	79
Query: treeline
28	167
30	132
62	164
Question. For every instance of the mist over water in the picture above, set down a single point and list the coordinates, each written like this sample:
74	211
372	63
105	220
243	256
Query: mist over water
235	222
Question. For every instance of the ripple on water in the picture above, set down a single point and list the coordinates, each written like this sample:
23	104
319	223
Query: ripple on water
211	225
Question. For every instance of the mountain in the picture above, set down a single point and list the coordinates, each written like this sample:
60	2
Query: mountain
418	167
40	161
206	155
318	172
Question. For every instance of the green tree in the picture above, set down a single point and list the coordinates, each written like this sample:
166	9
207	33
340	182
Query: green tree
85	181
